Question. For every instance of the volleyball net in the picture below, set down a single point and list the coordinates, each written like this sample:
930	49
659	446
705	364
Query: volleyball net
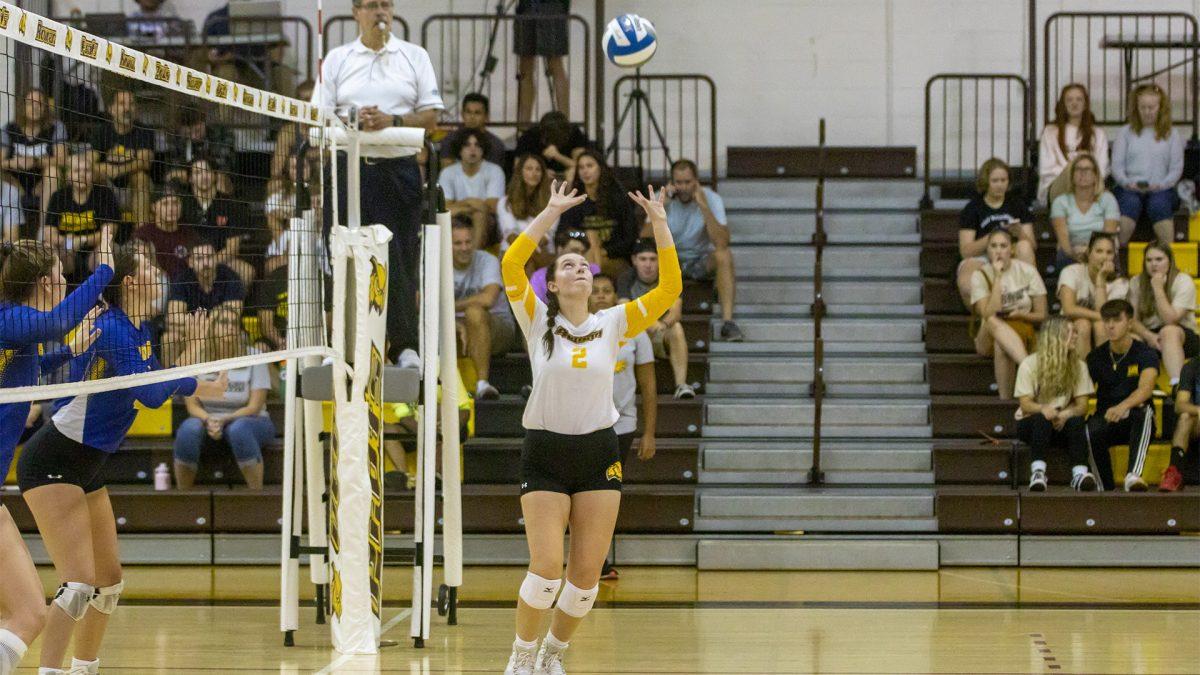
215	202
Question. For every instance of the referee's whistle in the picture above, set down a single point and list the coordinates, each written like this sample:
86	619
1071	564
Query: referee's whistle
383	27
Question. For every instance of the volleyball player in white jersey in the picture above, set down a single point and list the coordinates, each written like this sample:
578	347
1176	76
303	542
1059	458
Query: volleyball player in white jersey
570	464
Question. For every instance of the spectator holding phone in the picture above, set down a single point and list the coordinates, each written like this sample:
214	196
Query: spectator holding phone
1147	162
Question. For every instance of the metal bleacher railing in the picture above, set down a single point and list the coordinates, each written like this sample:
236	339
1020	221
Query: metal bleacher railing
970	117
1112	52
679	120
474	53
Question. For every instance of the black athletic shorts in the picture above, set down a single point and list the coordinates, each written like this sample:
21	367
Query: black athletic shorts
625	443
50	458
568	464
540	28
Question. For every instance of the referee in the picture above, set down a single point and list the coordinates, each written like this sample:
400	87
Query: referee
393	84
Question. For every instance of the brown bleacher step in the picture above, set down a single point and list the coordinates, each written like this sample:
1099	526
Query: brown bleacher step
969	416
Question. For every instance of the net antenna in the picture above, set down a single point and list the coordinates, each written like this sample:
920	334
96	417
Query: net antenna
351	529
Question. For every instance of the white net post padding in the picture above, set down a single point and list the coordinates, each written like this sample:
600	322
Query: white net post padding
425	505
451	461
359	256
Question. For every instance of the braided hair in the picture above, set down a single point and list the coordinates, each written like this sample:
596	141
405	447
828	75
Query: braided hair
552	309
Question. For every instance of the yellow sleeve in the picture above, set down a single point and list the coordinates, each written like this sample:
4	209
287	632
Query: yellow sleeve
516	284
641	313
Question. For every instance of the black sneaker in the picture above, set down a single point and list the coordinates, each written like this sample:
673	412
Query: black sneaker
1084	482
1037	481
731	333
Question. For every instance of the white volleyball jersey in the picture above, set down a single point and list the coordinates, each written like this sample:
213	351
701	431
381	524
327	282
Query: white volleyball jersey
573	385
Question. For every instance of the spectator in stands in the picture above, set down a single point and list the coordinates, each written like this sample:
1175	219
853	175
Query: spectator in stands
565	241
152	19
198	139
1147	162
473	186
541	29
123	153
992	208
696	215
634	373
238	420
78	214
557	140
171	240
666	334
12	216
206	285
1187	411
1124	371
291	136
1164	304
607	215
1088	208
1084	287
257	65
223	222
270	308
32	149
527	194
485	324
1009	300
1052	387
1073	131
476	109
279	209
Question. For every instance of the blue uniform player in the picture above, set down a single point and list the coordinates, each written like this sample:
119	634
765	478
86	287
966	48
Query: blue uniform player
32	312
60	467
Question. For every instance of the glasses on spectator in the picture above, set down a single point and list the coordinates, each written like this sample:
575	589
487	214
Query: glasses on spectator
373	6
1085	168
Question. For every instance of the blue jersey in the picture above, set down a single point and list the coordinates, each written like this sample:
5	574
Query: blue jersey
101	420
23	329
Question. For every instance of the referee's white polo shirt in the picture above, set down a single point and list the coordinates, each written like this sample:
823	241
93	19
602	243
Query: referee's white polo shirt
398	79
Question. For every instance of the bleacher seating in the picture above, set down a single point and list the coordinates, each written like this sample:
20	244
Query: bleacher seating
659	495
979	470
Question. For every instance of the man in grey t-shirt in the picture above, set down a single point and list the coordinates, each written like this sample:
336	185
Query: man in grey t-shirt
485	324
696	216
473	185
666	334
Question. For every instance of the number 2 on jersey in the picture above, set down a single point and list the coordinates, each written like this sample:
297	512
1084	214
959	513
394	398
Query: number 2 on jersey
579	357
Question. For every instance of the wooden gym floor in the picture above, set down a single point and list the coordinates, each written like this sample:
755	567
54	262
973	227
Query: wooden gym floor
678	620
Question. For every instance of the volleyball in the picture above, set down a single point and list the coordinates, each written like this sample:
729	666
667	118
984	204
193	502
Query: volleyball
630	41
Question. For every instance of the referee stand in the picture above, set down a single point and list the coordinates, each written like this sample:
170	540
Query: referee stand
312	480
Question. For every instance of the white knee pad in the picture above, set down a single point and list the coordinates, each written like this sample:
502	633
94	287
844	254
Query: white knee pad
73	598
105	600
577	602
539	593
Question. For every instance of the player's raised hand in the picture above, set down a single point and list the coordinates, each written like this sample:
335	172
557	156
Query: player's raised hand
562	200
652	205
86	333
